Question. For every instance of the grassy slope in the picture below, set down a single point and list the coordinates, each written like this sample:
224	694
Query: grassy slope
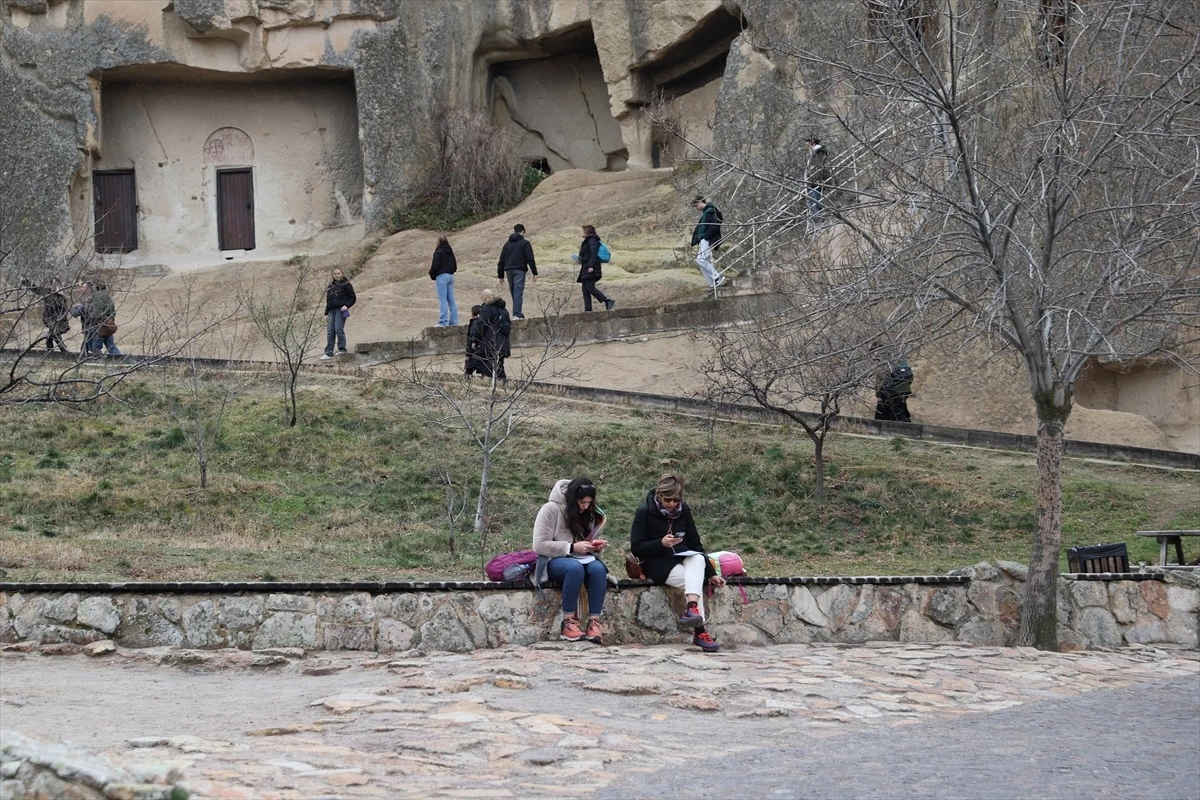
352	493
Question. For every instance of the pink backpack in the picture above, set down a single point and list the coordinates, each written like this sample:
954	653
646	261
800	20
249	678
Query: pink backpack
515	566
727	564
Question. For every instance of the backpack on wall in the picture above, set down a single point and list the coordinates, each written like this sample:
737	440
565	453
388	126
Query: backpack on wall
604	254
729	565
899	382
515	566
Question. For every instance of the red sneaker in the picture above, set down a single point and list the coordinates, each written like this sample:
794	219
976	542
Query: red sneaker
571	630
705	642
594	631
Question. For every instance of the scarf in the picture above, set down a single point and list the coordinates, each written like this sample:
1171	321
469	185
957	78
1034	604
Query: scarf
671	515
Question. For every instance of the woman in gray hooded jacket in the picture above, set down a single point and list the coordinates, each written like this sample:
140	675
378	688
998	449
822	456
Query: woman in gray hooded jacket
567	532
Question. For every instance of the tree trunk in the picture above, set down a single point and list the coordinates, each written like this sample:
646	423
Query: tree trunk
819	466
481	509
292	397
1039	620
204	473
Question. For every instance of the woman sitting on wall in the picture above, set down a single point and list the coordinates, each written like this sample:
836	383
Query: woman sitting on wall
567	533
665	540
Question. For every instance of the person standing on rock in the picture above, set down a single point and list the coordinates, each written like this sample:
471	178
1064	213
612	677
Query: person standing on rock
516	258
707	238
589	269
339	297
567	533
495	326
441	271
665	540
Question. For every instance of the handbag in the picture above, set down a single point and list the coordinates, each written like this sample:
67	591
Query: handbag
107	328
633	568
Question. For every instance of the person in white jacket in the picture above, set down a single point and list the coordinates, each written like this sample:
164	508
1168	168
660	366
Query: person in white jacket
567	532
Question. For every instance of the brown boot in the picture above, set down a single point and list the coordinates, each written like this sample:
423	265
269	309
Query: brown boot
594	631
571	630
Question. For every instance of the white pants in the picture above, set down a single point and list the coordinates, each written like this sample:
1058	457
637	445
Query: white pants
689	576
704	259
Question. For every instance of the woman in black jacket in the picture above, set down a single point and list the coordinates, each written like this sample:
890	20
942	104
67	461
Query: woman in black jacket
589	269
442	271
339	297
665	539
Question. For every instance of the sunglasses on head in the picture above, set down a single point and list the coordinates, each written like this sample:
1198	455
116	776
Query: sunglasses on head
585	490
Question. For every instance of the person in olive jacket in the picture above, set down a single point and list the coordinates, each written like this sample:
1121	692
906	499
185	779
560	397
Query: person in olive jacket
589	269
339	297
442	272
665	540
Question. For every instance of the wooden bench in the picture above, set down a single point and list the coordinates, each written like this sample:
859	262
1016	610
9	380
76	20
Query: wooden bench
1169	537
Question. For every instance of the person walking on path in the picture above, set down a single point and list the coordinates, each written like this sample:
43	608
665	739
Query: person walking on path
99	321
707	238
54	314
516	258
664	538
442	272
339	298
818	176
475	362
495	325
567	532
589	269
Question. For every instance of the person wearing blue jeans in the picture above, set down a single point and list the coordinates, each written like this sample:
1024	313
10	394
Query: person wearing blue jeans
567	532
516	258
442	272
339	297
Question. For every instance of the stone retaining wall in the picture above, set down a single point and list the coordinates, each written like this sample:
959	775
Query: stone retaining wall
979	605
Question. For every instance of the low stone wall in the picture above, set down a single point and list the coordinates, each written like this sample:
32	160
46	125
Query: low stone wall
31	769
979	605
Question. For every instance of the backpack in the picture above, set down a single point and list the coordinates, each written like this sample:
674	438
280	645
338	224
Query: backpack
900	379
516	566
727	564
603	253
715	229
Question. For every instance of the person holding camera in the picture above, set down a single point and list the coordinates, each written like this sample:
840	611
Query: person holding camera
665	540
567	532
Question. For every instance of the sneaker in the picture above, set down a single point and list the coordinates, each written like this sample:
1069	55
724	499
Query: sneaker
343	352
719	282
609	303
705	643
518	316
594	631
571	630
691	618
326	357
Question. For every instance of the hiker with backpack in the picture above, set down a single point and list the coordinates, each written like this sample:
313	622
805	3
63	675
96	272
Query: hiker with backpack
894	390
590	258
707	238
567	532
664	538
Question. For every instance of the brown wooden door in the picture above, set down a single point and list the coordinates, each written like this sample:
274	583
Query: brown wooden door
235	209
115	205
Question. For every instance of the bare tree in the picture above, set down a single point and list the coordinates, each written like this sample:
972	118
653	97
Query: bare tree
290	321
822	347
490	411
1024	172
196	389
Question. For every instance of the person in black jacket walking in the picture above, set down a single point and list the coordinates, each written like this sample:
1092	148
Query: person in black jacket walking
495	325
339	297
665	540
589	269
706	237
54	313
516	258
442	272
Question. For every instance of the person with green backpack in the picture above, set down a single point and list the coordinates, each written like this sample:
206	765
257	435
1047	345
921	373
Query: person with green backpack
589	258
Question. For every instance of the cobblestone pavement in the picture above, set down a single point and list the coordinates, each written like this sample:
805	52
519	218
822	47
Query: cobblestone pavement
559	720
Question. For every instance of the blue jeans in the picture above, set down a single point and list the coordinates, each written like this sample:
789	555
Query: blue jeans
572	575
447	308
516	285
96	344
335	326
814	200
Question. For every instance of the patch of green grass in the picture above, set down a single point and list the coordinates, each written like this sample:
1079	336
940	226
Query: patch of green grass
354	492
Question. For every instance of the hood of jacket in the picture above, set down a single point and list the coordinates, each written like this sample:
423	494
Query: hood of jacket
339	281
444	248
558	495
515	237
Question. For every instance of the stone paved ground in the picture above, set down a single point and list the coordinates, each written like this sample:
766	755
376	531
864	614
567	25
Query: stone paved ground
556	720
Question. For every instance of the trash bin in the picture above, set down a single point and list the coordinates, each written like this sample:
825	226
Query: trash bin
1099	558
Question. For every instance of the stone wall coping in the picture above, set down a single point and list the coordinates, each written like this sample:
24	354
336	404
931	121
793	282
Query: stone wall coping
386	587
1115	576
